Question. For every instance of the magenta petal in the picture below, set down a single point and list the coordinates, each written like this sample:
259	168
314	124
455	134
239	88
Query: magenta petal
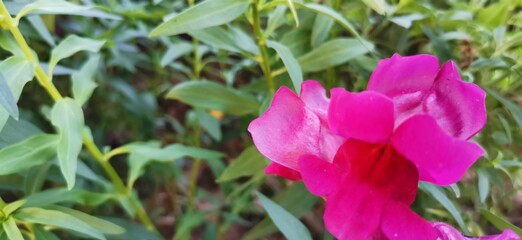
354	212
440	159
447	232
314	96
401	223
366	116
286	130
399	75
320	177
282	171
459	107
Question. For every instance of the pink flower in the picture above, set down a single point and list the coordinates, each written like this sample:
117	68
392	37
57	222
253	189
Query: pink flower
448	232
365	152
427	114
294	126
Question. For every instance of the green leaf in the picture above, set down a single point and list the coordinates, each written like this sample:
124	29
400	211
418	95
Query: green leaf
39	25
444	201
290	226
142	153
293	11
231	39
57	219
67	117
406	21
514	109
83	83
205	14
30	152
12	231
63	195
13	206
36	177
41	234
56	7
483	184
211	95
291	64
7	100
99	224
209	123
377	5
175	51
70	46
332	53
322	26
499	222
248	163
327	11
17	71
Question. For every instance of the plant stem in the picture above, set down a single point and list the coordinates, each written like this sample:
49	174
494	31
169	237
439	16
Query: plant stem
261	43
48	85
194	173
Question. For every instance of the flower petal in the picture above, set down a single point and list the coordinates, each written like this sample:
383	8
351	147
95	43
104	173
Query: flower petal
282	171
401	223
320	177
314	96
354	212
447	232
372	177
286	130
367	116
440	159
459	107
398	75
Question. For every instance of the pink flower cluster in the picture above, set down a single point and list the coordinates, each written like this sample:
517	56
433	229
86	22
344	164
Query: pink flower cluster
364	153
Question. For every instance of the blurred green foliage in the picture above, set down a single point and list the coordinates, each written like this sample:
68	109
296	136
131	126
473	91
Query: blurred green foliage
167	88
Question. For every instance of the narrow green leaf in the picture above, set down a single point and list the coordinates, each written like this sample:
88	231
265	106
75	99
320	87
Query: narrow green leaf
291	64
445	201
83	83
63	195
290	226
17	71
36	177
377	5
13	206
322	26
57	219
67	117
293	11
7	100
30	152
99	224
248	163
211	95
142	153
406	21
56	7
70	46
39	25
41	234
12	230
499	222
205	14
483	184
322	9
515	110
175	51
209	123
231	39
332	53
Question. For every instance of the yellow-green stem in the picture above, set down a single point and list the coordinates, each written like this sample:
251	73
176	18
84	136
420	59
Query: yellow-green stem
261	43
48	85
